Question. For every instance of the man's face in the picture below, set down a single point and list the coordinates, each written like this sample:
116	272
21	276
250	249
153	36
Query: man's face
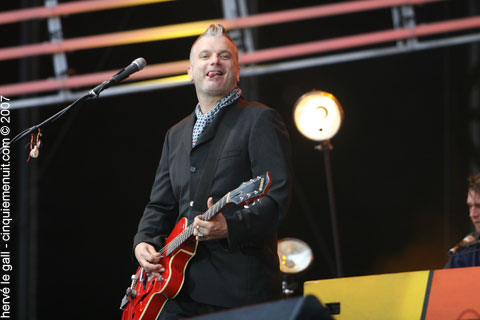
473	202
214	67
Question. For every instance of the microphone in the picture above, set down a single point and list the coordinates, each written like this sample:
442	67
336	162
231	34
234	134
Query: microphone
136	65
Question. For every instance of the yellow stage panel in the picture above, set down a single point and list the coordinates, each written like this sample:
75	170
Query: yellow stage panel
384	297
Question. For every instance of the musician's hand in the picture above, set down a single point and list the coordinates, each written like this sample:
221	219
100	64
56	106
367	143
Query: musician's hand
216	228
148	258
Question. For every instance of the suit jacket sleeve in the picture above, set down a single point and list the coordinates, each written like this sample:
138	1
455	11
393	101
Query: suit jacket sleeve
160	213
269	150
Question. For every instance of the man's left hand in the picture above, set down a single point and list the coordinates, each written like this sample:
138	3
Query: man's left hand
216	228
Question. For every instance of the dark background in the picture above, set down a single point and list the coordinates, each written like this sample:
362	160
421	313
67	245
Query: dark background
400	160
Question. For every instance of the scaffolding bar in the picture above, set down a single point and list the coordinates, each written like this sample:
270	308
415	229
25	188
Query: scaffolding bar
259	56
195	28
68	8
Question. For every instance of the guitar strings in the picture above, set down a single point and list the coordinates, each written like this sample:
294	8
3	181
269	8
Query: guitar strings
184	235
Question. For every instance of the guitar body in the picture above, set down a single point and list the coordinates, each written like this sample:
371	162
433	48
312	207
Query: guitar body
152	293
147	294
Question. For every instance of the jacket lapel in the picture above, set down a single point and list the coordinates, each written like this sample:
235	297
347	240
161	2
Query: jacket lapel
187	134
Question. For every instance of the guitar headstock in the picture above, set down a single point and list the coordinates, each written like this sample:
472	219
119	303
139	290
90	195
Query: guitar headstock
251	190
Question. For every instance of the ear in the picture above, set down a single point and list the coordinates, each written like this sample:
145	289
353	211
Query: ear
190	72
238	74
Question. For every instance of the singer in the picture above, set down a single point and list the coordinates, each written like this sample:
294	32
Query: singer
236	261
467	252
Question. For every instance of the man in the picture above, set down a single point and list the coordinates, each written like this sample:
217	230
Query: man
467	252
236	262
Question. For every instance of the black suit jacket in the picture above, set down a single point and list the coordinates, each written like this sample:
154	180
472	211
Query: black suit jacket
242	269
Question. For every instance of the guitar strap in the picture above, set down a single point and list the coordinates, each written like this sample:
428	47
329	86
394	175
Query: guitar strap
205	185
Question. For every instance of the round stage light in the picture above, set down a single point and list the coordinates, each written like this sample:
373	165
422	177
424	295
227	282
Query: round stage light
318	115
295	255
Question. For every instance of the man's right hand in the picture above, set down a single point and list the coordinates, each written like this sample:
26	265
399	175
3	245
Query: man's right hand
148	258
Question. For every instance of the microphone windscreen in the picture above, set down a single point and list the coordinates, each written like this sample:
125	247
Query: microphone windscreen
140	62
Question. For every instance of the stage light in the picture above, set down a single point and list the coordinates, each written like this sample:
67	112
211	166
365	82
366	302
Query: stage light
295	257
318	115
294	254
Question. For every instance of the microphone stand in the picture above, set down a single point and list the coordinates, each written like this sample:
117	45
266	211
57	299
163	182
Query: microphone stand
94	93
136	65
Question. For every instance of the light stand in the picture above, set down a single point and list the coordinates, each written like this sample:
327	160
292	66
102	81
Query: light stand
326	147
318	116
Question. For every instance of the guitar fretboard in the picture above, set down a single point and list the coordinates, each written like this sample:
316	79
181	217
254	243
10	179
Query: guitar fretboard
188	232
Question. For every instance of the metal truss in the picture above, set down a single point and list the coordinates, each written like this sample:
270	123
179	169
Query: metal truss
406	33
257	70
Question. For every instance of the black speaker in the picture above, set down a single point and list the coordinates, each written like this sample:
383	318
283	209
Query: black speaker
301	308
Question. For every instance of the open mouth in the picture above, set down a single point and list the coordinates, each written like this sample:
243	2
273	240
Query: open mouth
212	74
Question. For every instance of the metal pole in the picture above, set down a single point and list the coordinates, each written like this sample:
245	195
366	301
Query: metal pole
326	147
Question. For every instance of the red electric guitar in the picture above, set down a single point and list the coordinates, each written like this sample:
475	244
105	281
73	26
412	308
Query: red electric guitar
148	293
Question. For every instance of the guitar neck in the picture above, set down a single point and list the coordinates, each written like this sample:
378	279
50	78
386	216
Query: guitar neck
215	209
188	232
